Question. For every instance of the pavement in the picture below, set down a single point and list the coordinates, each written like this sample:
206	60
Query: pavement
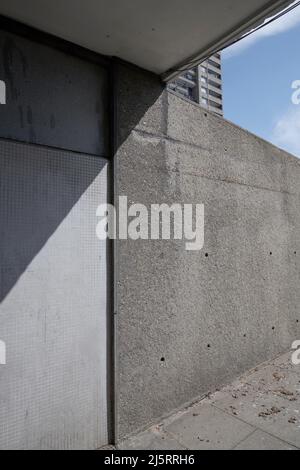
259	411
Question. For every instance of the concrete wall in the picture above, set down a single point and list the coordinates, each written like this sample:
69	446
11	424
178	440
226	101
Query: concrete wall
209	317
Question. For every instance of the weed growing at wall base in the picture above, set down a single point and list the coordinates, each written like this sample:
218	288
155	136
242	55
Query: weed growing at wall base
160	222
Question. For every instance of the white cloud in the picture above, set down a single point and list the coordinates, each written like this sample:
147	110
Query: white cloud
283	24
286	133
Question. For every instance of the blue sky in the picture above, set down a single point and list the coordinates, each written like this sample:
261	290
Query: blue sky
258	73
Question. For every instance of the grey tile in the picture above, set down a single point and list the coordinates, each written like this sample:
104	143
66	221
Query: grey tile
269	399
260	440
151	440
285	362
205	427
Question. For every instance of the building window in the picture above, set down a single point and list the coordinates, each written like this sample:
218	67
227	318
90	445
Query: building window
216	95
214	64
214	74
216	85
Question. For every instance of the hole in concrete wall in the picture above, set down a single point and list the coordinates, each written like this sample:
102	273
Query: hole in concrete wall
297	321
208	346
295	252
205	114
273	328
271	253
206	255
163	359
245	336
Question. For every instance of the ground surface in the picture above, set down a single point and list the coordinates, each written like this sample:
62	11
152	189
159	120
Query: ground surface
260	410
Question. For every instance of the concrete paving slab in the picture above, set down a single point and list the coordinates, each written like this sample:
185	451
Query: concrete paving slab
259	410
151	440
260	440
205	427
285	362
268	398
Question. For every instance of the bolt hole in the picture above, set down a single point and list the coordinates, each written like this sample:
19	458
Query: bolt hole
208	346
205	114
163	359
273	328
271	253
206	255
245	336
